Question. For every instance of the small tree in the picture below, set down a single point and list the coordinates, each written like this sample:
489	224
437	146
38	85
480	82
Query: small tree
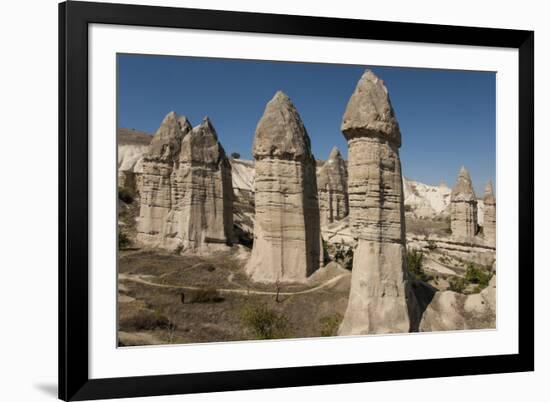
414	265
236	155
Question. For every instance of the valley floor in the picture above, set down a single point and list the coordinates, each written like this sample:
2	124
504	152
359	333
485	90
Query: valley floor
219	304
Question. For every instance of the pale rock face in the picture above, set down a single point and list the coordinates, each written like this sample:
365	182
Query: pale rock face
381	300
287	238
463	207
132	145
489	215
187	194
426	201
333	188
454	311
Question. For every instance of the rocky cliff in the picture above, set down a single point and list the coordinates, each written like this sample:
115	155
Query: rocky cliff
131	146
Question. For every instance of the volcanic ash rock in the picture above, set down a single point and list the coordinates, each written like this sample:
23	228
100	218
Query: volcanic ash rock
381	300
156	187
202	195
190	207
287	239
463	207
448	310
333	188
489	215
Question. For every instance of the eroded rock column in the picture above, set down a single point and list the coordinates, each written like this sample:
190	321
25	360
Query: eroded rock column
489	215
202	194
156	186
463	207
287	237
380	300
333	188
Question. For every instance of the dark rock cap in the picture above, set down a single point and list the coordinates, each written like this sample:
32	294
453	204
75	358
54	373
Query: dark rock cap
280	132
202	145
165	145
369	111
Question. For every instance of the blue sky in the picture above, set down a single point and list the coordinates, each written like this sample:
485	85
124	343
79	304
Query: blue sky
447	118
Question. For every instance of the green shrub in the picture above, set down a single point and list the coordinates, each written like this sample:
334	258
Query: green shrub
344	256
263	322
126	195
325	251
330	324
478	275
457	284
236	155
123	241
414	265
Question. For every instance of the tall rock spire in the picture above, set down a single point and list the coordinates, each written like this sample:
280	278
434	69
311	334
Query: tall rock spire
156	186
463	206
287	238
489	215
381	300
333	188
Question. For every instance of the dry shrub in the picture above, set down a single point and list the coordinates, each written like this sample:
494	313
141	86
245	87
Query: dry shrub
263	322
146	320
206	295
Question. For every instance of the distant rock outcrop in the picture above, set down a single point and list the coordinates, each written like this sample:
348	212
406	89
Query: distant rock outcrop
381	299
287	237
489	215
332	184
187	194
426	201
131	146
463	207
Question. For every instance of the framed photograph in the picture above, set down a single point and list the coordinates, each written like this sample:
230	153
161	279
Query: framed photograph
259	201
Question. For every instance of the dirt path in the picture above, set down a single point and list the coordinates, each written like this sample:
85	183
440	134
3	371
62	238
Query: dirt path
139	279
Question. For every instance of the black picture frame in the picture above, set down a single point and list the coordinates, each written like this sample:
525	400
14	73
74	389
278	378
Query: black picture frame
74	18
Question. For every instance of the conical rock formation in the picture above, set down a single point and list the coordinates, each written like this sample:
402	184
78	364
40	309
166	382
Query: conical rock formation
489	215
463	206
333	188
156	186
287	238
195	188
381	300
202	195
